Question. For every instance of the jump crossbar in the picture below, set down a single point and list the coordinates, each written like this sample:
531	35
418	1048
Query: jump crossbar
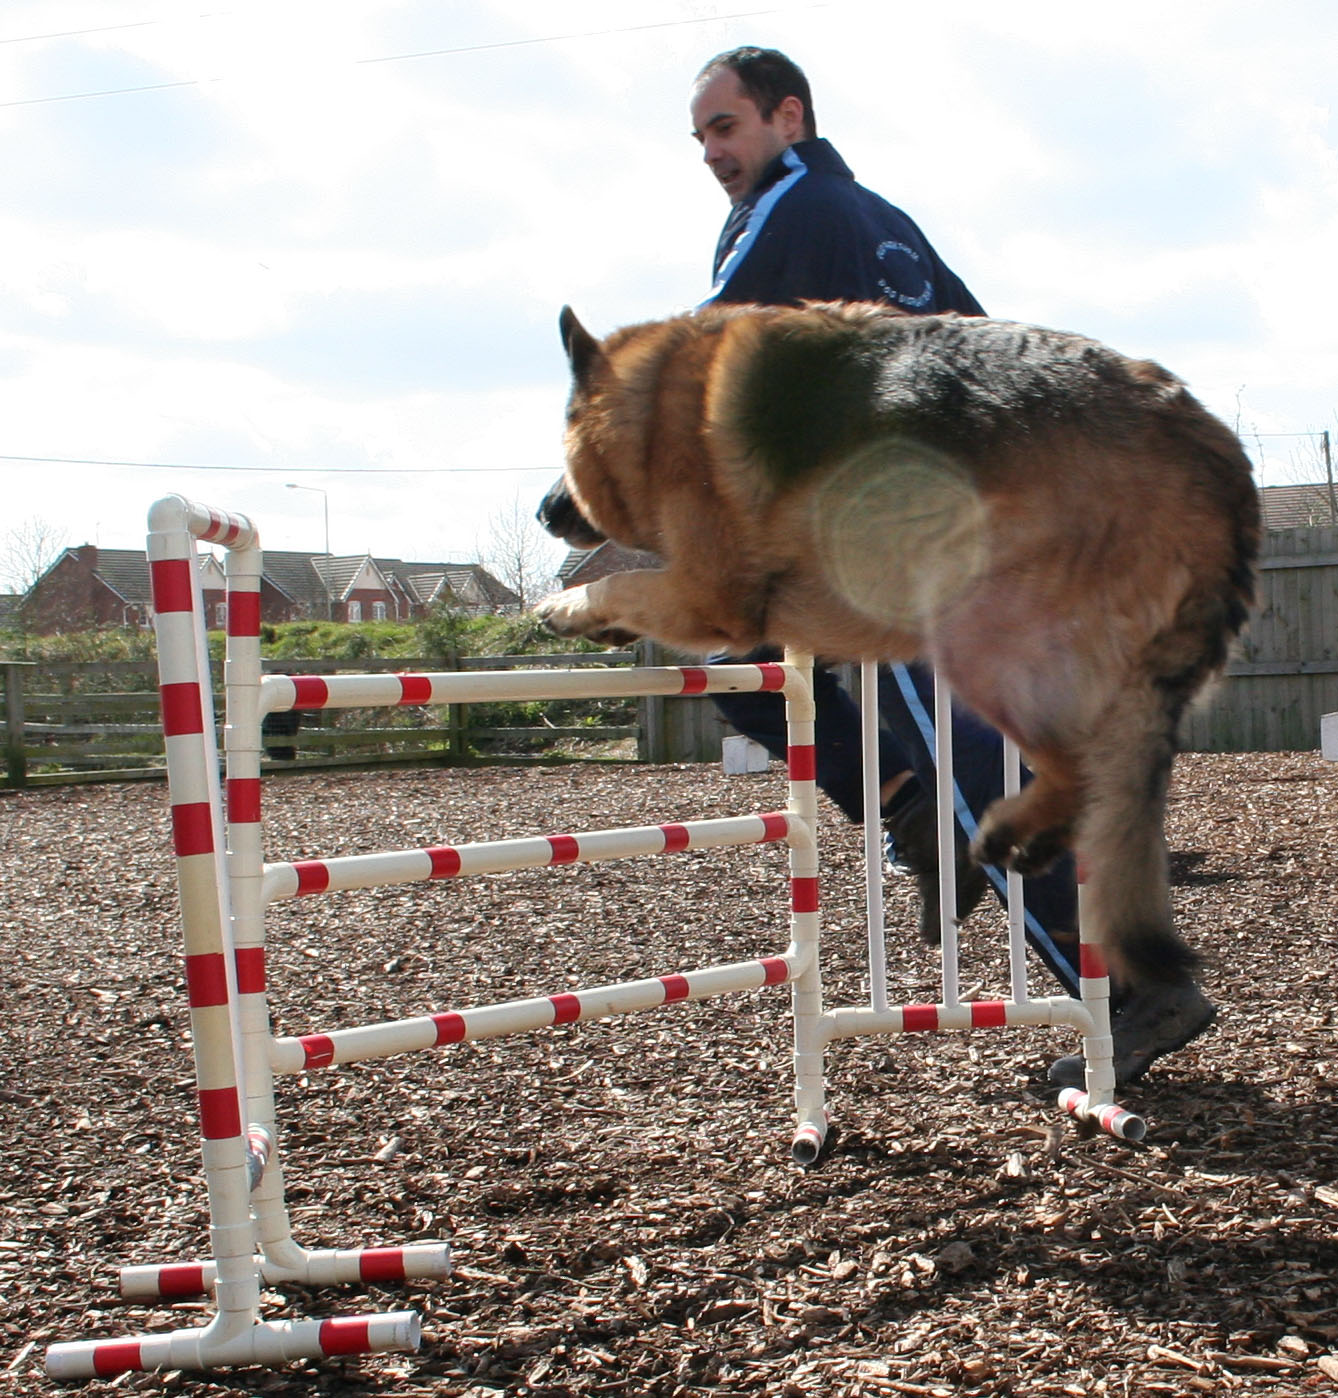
309	876
279	693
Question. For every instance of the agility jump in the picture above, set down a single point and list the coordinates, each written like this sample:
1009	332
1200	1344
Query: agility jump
225	887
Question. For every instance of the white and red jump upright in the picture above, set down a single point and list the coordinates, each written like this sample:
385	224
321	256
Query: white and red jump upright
226	887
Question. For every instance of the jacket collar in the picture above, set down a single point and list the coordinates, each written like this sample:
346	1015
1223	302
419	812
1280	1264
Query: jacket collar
818	155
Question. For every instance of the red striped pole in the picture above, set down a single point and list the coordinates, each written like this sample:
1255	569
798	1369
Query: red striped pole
856	1021
316	1267
282	692
197	826
281	1258
310	876
301	1053
810	1094
265	1342
1095	1104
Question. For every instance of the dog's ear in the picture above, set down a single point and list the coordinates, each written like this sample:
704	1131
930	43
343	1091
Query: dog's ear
583	350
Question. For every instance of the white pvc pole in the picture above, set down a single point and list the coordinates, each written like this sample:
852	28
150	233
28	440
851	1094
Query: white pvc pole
947	843
873	835
1017	912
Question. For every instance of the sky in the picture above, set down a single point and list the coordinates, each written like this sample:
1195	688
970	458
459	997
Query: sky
324	244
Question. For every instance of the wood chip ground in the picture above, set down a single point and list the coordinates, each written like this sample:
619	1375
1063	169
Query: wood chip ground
623	1210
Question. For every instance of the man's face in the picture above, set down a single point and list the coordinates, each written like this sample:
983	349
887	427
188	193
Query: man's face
736	143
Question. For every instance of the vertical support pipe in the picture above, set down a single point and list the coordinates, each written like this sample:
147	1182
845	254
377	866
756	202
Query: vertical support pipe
1094	987
947	837
242	674
873	836
806	988
1017	911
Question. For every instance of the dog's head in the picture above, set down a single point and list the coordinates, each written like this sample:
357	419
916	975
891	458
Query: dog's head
561	511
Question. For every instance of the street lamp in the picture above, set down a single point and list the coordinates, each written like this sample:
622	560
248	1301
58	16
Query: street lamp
325	498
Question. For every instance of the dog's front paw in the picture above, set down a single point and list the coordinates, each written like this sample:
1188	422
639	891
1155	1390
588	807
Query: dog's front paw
570	614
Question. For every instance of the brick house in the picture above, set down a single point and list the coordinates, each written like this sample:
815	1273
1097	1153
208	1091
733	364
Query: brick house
90	586
589	565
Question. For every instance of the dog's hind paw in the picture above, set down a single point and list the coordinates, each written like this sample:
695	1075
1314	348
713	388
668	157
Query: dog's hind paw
1040	852
993	845
1004	846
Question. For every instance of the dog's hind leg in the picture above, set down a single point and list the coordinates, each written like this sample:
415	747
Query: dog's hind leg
1121	840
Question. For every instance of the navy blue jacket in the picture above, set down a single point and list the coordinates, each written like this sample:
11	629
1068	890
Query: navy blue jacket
808	232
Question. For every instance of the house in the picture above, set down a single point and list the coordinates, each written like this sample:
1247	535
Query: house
90	586
1296	506
589	565
362	588
469	587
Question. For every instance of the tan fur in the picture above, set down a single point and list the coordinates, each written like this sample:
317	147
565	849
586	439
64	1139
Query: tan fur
1065	533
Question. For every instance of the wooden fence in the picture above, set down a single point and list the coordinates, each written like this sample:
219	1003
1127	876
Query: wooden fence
1285	676
68	721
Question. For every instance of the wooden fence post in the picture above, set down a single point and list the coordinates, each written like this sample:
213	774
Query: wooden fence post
16	757
457	715
651	741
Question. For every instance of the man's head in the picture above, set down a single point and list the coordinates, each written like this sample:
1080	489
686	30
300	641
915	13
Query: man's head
748	105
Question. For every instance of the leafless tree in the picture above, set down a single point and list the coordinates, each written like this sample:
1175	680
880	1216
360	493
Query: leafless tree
518	553
28	550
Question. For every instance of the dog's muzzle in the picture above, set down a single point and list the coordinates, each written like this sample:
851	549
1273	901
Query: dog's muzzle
560	516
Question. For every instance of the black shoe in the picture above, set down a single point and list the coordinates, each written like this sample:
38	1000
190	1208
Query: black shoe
1152	1022
914	831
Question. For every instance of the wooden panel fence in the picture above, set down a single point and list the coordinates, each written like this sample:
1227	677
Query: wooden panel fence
1285	675
69	721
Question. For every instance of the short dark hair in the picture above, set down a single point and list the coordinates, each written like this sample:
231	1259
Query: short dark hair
768	78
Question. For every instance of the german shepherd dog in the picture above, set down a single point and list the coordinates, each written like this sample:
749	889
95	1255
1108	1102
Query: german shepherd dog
1067	534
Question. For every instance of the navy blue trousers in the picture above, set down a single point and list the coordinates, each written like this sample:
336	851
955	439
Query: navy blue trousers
906	742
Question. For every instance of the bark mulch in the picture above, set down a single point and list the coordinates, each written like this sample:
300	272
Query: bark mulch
624	1214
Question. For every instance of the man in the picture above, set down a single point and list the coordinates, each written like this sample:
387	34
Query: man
800	229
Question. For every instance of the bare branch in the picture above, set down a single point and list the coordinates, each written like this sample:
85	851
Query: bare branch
518	553
28	550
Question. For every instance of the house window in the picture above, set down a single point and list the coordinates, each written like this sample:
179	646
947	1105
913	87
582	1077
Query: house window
220	616
355	611
378	611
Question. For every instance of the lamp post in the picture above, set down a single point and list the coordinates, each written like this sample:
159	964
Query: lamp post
325	499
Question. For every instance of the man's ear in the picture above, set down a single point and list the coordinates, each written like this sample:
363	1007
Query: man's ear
789	113
583	351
